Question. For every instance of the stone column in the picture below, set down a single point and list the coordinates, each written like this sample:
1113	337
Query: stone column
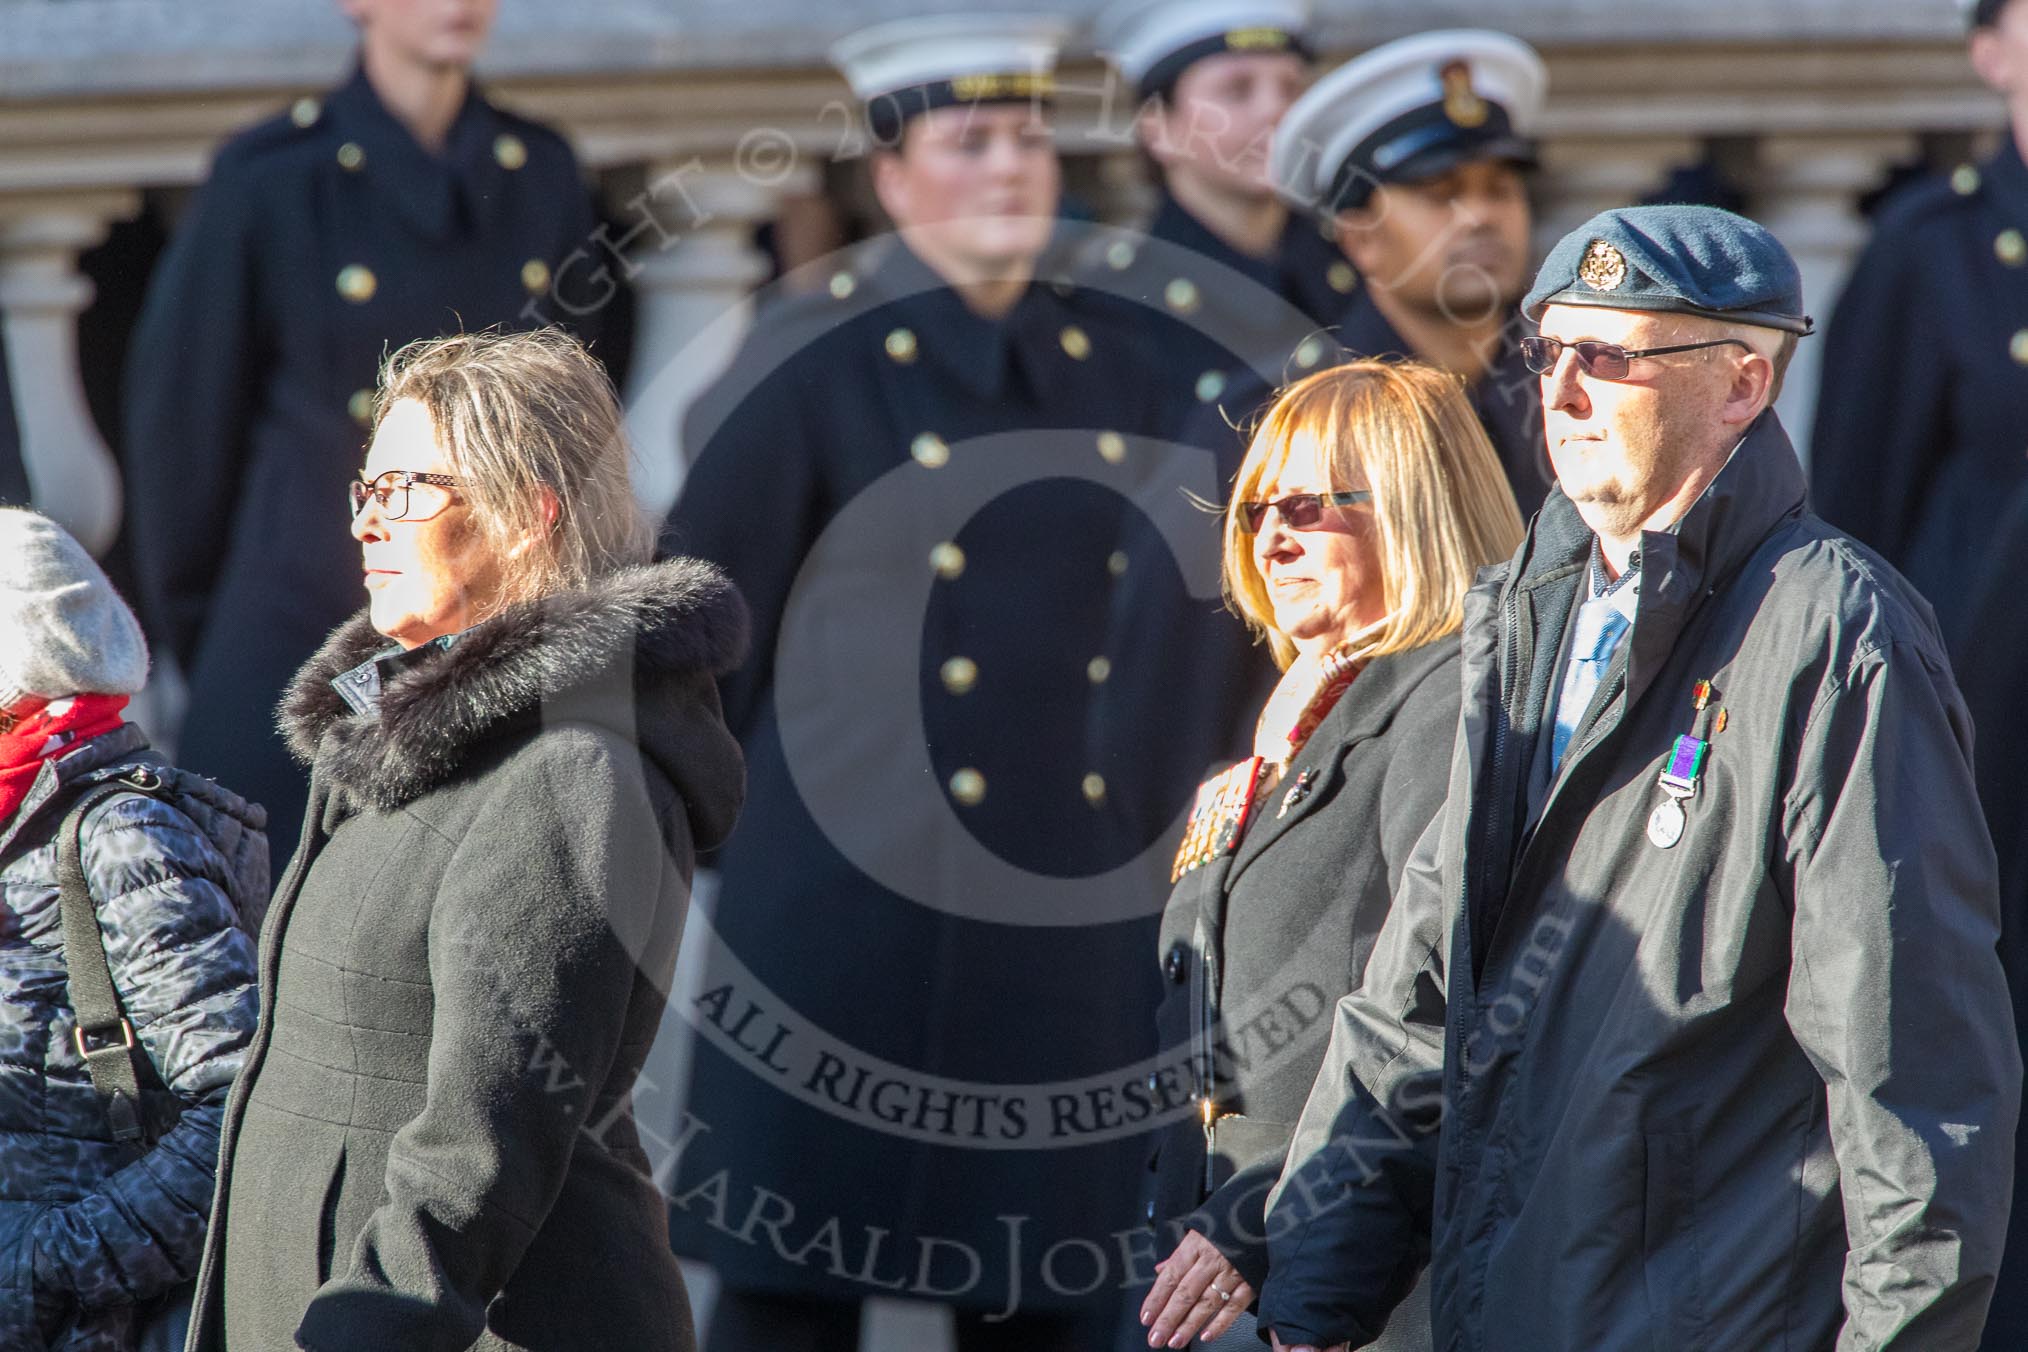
1584	175
1806	189
72	476
687	244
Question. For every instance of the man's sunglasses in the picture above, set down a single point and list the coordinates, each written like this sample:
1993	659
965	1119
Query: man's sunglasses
1299	511
1607	361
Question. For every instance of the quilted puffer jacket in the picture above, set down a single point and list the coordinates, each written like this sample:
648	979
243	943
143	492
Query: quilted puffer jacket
95	1233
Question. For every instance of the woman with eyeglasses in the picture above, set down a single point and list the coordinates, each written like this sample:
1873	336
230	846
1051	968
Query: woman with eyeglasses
1367	500
515	751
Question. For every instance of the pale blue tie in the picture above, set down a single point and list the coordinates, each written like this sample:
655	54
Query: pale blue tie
1599	630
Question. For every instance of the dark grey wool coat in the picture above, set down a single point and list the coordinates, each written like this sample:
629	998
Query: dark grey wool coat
1258	946
431	1146
1755	1088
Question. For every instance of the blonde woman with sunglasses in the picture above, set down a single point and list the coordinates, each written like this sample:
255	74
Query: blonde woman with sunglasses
1367	500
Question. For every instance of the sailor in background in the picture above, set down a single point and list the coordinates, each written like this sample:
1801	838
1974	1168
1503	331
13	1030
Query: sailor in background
1244	281
918	468
1922	419
1227	289
401	205
1416	155
1942	389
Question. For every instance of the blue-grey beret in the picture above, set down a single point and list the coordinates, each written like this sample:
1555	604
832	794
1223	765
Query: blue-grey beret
1676	259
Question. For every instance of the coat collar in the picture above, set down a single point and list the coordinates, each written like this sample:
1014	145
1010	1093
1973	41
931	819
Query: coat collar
1363	712
1017	355
1173	224
441	196
543	658
2007	176
1760	486
77	766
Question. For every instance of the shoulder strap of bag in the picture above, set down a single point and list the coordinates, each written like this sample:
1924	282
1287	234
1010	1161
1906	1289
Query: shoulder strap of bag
103	1036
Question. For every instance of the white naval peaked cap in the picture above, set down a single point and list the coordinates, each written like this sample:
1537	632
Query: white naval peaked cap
1408	110
938	48
1144	38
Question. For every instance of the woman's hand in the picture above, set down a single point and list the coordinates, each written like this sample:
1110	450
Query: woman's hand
1281	1346
1197	1294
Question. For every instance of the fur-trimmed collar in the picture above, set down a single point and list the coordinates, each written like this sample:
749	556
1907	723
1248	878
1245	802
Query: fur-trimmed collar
671	619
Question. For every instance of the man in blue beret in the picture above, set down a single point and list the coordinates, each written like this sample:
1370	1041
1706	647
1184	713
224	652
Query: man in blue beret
1687	1028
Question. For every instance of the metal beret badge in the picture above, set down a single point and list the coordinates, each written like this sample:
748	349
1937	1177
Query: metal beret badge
1604	268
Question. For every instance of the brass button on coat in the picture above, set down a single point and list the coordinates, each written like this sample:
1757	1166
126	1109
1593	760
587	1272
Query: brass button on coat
1098	670
1964	180
1181	295
900	345
535	275
843	284
1095	789
930	451
1076	342
1210	385
510	151
1119	255
1341	278
948	560
968	786
351	156
357	283
1116	563
959	675
2018	349
1112	447
2010	248
305	112
360	406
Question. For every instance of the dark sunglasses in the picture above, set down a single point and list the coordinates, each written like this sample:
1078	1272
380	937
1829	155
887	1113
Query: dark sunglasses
1607	361
1299	511
390	490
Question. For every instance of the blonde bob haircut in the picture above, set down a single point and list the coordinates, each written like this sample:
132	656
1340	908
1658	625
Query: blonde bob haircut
1440	498
527	420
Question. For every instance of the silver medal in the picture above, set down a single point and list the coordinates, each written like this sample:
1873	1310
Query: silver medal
1665	823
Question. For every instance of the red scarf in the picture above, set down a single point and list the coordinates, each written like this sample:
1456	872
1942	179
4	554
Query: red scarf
45	732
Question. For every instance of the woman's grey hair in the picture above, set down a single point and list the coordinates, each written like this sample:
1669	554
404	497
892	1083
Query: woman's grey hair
528	419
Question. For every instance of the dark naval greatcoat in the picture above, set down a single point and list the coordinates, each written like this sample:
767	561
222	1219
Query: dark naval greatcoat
923	507
1212	321
1922	421
324	239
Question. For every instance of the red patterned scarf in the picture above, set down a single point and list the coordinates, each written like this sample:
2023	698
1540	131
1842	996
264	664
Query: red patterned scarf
31	736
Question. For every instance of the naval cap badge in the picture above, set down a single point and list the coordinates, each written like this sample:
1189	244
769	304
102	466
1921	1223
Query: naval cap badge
1604	267
1462	104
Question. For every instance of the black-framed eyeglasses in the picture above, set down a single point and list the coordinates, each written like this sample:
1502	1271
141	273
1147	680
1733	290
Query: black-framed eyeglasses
391	491
1607	361
1299	511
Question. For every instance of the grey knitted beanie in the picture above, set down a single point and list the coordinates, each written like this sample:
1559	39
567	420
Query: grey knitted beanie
63	629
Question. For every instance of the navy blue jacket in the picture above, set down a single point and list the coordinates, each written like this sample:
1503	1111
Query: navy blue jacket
923	508
1922	419
324	239
91	1229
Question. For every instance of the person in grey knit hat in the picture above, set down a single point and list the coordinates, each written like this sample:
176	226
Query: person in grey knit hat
102	1206
63	629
